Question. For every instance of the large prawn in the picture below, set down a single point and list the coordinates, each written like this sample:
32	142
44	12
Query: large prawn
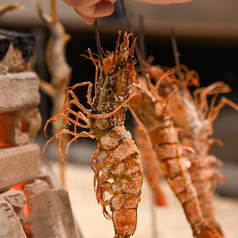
119	174
198	119
194	115
153	113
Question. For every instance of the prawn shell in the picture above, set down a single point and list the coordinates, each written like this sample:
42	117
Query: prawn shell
164	135
165	143
124	150
111	139
167	151
124	201
125	222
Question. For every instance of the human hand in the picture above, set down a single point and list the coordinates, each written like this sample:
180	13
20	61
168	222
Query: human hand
163	1
90	9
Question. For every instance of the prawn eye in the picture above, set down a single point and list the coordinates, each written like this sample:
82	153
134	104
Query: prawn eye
109	92
131	59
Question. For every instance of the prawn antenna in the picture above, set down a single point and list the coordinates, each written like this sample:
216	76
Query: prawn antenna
176	58
139	55
98	43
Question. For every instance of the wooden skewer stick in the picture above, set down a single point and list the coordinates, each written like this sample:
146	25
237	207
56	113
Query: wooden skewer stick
139	56
176	58
99	48
53	11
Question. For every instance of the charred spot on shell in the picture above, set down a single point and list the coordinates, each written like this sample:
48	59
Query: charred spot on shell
110	91
4	46
131	59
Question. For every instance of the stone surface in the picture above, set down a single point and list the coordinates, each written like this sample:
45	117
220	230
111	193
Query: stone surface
19	127
46	173
16	51
15	61
17	200
18	165
37	187
19	91
10	226
50	215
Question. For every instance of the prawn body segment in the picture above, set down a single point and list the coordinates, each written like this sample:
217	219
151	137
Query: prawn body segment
151	165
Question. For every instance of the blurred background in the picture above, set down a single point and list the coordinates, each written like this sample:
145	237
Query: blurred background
207	38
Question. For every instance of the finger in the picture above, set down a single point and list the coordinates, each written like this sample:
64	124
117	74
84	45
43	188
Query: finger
88	20
103	9
163	1
89	10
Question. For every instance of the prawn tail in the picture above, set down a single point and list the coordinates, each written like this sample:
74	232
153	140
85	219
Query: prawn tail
205	230
206	201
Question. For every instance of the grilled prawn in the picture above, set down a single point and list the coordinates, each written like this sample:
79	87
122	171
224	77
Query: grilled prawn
152	112
198	119
119	173
194	115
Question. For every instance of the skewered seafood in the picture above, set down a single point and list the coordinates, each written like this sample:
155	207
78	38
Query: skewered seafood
194	115
153	113
119	174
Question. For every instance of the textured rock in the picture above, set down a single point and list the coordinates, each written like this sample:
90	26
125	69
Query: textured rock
50	215
19	127
35	188
16	51
18	165
10	226
46	173
17	200
19	91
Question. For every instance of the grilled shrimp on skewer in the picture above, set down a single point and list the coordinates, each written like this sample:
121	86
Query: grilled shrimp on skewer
119	173
198	120
153	113
193	114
